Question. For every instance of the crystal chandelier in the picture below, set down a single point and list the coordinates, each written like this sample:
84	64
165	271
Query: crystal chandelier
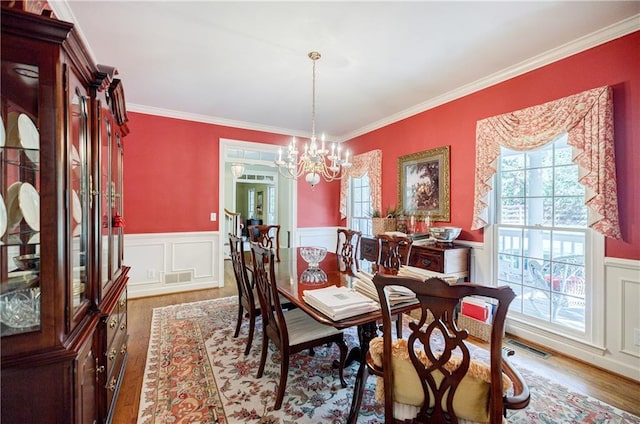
316	160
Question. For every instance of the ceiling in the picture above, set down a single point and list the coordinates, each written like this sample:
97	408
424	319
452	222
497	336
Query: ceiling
245	64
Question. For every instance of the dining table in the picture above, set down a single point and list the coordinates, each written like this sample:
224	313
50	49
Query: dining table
293	277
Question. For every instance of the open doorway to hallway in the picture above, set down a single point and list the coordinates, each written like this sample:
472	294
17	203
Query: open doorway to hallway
260	193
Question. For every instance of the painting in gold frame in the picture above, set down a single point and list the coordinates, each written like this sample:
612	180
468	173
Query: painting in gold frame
423	184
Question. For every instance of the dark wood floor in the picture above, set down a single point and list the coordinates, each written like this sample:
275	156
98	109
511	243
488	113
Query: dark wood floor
613	389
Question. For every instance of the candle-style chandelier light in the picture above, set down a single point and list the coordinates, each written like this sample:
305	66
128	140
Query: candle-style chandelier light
316	160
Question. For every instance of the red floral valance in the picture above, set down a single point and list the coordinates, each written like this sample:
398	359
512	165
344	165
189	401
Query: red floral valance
366	163
587	118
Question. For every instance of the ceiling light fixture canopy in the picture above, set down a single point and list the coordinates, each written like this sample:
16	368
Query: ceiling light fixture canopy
316	160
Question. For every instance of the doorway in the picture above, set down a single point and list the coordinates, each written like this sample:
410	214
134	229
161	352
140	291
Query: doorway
274	197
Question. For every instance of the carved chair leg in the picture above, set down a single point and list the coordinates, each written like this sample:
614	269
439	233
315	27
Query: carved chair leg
252	325
284	370
239	323
263	355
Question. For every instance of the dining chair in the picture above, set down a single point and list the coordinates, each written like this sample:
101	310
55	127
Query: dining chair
393	252
267	236
246	295
347	246
433	375
248	302
291	331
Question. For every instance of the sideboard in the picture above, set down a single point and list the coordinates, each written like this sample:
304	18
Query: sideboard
447	258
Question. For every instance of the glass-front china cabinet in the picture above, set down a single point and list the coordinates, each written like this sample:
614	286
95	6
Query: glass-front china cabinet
63	298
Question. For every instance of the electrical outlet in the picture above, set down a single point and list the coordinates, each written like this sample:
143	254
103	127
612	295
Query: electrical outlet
213	216
636	336
151	273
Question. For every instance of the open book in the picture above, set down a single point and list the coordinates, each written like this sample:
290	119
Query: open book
339	302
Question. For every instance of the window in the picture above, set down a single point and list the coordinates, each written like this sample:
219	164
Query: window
251	202
271	205
360	209
542	235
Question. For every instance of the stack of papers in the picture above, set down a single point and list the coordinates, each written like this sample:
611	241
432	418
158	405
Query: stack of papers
423	274
339	302
396	294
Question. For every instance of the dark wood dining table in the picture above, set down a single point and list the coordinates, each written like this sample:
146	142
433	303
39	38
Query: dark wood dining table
292	281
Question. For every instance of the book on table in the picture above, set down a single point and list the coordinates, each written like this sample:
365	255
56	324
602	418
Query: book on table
395	294
339	302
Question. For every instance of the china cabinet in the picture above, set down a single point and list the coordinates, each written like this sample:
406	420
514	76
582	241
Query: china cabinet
63	298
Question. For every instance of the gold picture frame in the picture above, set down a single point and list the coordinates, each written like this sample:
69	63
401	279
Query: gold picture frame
423	184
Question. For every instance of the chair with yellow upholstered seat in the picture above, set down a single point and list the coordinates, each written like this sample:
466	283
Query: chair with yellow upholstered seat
431	375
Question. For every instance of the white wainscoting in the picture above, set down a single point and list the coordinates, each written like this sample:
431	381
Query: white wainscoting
173	262
163	263
317	236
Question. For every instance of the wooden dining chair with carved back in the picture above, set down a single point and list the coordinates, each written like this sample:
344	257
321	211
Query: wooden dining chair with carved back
347	247
433	376
266	236
246	293
393	252
290	331
248	303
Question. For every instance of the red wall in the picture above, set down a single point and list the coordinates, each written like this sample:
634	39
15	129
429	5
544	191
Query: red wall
171	171
171	165
616	63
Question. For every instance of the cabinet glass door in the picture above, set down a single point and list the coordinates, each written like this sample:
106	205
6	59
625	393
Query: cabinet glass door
106	140
117	222
79	195
19	200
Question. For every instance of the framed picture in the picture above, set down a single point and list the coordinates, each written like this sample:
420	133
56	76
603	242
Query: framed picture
259	201
423	184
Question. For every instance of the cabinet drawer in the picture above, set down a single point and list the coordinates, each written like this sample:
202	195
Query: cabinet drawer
116	349
114	379
433	261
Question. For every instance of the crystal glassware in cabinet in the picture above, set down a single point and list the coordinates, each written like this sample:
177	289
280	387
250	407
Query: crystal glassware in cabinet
19	199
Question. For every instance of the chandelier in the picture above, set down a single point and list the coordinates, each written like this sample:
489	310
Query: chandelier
316	160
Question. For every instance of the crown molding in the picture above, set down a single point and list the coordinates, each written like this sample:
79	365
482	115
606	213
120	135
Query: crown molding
168	113
594	39
604	35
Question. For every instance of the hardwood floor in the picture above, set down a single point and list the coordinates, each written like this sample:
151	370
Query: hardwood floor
610	388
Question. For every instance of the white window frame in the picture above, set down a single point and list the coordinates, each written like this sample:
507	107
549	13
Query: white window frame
546	332
350	200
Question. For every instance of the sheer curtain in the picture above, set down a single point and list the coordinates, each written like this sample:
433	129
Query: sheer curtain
366	163
587	118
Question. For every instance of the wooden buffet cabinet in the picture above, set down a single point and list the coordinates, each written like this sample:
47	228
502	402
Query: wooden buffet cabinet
446	258
63	319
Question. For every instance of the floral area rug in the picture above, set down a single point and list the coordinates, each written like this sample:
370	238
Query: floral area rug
196	372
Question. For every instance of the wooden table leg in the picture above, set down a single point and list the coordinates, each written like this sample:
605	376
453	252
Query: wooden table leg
366	333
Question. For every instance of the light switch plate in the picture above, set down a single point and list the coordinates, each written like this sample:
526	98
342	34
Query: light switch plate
213	216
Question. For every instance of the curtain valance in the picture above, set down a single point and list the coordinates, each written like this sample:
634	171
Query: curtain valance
366	163
587	118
